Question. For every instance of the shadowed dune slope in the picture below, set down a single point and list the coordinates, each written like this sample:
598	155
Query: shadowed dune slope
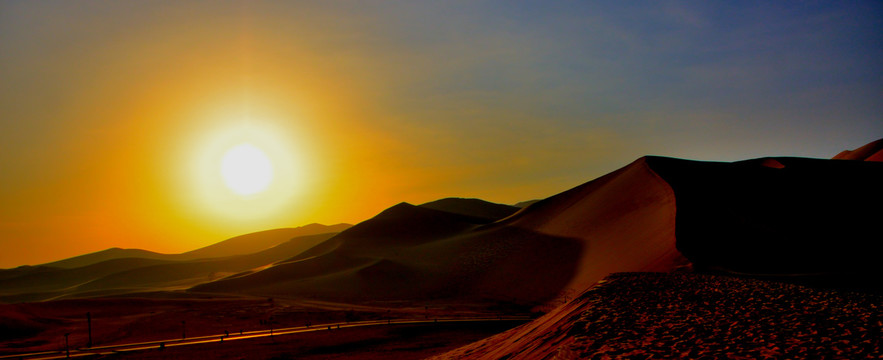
412	252
808	216
472	207
873	151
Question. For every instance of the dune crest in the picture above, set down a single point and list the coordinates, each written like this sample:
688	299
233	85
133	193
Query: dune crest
625	219
872	151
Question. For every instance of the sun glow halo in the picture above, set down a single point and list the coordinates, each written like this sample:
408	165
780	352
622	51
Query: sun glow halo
247	172
246	169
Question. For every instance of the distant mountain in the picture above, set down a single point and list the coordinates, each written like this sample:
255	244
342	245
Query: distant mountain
257	241
239	245
109	254
476	208
127	275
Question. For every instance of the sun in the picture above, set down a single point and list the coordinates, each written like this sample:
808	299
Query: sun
246	169
246	172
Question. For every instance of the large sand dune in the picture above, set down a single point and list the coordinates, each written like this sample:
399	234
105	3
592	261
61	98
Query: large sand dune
806	220
625	221
621	222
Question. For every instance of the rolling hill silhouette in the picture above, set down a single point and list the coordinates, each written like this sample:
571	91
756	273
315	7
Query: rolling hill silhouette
119	271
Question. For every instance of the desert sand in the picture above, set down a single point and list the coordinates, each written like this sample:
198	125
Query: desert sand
692	316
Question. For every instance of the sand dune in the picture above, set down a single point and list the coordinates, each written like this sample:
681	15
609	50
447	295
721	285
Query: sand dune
873	151
801	220
624	219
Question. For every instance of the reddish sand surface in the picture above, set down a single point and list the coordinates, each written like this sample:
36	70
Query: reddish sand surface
625	221
692	316
871	152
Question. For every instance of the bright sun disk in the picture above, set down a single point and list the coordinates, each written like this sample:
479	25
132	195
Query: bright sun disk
246	169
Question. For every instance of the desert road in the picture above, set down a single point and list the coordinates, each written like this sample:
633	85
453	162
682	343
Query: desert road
157	344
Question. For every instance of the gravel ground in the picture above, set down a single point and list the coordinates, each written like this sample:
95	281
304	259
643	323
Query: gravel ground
681	315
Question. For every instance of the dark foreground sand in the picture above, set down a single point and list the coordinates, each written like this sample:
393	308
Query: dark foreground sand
691	316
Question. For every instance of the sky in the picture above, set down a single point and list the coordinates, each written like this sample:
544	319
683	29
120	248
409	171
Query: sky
114	116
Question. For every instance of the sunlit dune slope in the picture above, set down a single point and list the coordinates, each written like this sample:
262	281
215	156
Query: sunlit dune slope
871	152
807	216
125	275
625	221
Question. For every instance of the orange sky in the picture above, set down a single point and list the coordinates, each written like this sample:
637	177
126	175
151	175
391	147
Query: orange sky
114	115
